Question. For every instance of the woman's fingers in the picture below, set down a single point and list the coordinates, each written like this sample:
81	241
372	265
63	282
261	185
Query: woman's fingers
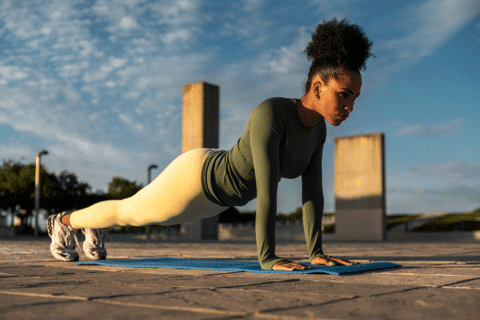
322	261
287	265
332	261
341	262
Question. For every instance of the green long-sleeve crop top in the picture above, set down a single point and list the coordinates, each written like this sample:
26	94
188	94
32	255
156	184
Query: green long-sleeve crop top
275	144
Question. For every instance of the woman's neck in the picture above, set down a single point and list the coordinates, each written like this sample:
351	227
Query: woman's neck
308	117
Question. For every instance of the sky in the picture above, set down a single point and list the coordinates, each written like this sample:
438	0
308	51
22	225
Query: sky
99	85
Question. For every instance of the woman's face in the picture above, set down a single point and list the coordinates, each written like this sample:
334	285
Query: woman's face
335	99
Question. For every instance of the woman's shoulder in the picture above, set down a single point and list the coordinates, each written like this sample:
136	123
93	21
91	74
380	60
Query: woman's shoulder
275	105
272	112
278	102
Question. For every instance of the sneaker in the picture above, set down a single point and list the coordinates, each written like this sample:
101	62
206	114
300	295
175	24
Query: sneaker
64	238
93	246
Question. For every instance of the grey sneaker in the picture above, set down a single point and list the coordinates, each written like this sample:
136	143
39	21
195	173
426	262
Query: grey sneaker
64	238
93	246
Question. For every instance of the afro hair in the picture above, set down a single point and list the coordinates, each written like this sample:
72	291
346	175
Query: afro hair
337	45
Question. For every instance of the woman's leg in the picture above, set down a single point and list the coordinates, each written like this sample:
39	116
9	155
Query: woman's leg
175	196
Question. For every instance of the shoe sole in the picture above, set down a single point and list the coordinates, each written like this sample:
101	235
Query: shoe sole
102	254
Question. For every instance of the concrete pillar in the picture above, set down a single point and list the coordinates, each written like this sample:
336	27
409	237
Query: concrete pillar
200	129
360	188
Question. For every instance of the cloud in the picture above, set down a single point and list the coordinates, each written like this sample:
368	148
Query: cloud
12	73
286	59
130	123
177	35
245	22
127	23
251	5
423	29
98	74
434	23
117	62
71	70
176	13
452	127
123	27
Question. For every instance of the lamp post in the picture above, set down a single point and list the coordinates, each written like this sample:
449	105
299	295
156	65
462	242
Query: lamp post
37	190
153	166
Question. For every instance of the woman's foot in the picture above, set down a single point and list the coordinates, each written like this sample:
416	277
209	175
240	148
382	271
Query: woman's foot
93	246
63	237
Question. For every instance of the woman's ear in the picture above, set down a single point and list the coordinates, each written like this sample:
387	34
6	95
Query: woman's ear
317	88
317	85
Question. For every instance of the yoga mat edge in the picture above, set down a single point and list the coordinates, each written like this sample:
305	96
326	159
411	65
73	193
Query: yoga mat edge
229	265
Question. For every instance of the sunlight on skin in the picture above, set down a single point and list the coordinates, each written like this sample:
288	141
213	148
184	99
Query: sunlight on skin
287	265
332	101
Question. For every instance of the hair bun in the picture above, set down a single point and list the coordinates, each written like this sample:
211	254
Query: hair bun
339	44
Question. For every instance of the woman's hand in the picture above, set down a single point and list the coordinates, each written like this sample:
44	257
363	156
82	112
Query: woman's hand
331	261
287	265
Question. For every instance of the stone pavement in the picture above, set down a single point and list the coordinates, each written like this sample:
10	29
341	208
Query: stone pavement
438	280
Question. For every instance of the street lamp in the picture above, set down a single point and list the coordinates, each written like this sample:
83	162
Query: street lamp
37	190
153	166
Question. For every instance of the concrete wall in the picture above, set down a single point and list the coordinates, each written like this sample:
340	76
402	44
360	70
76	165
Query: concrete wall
360	187
200	129
200	116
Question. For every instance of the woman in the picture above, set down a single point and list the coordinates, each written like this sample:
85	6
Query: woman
283	138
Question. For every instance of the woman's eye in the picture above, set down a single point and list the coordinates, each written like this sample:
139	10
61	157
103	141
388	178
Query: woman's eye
345	95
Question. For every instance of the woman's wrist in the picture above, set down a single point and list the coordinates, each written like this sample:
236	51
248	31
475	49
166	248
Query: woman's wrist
268	265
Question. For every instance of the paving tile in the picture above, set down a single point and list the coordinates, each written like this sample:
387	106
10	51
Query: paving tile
465	284
334	289
234	300
84	289
20	307
422	303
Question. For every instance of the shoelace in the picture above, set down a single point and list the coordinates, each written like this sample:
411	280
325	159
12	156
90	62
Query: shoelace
99	236
69	234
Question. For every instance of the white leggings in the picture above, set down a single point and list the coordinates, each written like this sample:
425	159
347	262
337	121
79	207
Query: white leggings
176	196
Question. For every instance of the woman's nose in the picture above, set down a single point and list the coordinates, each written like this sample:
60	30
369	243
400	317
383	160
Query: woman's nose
349	107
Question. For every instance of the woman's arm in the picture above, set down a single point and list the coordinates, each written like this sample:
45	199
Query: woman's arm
265	136
312	199
312	194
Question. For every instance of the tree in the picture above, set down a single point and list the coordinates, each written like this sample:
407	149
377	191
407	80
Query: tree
297	214
120	188
71	186
17	185
67	193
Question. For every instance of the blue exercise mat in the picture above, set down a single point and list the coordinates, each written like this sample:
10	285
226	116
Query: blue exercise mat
235	265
